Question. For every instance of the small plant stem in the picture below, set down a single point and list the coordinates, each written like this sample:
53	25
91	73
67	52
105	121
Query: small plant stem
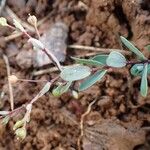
138	62
9	83
102	67
11	14
97	49
11	27
53	58
49	54
26	80
15	111
82	124
25	33
19	109
37	31
37	97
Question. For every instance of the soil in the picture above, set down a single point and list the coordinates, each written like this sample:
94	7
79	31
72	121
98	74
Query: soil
120	116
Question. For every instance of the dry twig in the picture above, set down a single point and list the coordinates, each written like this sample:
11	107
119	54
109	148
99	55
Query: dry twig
97	49
82	124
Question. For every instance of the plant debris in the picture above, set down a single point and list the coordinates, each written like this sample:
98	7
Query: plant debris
111	135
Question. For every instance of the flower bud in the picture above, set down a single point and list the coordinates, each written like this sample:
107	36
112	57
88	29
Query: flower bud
32	20
36	43
56	92
3	21
18	25
21	133
12	79
18	124
75	94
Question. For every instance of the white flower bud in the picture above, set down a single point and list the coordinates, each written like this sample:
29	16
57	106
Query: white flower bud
18	25
36	43
32	20
3	21
75	94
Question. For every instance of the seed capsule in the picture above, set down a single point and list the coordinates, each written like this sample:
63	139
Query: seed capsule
21	133
18	124
12	79
32	20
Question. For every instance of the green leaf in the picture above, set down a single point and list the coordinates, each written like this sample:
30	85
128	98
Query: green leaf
5	120
45	89
148	47
116	59
74	73
18	124
61	89
131	47
92	79
87	61
137	69
144	84
100	58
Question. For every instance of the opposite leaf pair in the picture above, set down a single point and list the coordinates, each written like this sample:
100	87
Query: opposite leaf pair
114	59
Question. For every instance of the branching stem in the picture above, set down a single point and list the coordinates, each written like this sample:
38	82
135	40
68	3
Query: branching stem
138	62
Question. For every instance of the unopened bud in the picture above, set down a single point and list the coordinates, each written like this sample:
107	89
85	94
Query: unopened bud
12	79
21	133
36	43
18	25
18	124
32	20
56	92
75	94
3	21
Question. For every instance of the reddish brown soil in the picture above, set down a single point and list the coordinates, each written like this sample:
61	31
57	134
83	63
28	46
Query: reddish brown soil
54	121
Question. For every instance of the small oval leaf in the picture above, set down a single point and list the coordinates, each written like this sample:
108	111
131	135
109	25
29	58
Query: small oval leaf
144	84
92	79
132	48
74	73
87	61
148	47
100	58
45	89
61	89
136	70
116	59
5	120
